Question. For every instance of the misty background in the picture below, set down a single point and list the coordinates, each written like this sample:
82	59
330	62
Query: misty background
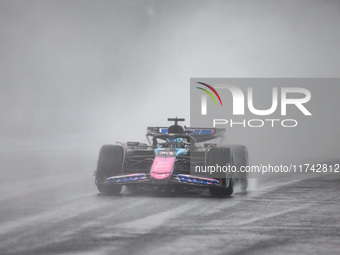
76	74
92	72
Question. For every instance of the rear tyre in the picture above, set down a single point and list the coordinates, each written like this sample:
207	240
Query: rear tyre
240	156
221	156
244	184
109	164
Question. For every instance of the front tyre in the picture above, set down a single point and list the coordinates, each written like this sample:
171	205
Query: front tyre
222	156
110	190
109	164
223	192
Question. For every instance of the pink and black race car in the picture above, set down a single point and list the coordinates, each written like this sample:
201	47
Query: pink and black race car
176	158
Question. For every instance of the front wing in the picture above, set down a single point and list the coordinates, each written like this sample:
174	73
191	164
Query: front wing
175	179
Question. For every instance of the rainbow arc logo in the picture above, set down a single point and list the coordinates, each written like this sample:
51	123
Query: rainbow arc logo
209	93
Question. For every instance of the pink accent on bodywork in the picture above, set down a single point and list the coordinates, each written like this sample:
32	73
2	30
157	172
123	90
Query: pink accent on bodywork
162	167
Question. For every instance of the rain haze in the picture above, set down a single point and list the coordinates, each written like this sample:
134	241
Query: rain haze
77	74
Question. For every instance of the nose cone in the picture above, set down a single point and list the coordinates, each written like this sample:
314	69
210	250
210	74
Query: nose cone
162	168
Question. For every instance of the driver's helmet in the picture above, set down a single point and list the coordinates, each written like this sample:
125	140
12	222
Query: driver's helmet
178	142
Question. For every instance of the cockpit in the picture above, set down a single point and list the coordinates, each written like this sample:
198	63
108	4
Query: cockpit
172	141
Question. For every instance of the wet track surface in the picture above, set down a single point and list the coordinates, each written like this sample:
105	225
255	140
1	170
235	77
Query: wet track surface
49	205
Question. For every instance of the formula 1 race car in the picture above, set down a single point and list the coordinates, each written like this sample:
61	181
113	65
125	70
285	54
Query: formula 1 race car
170	161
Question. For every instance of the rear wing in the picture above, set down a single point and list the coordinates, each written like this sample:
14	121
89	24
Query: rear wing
200	134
